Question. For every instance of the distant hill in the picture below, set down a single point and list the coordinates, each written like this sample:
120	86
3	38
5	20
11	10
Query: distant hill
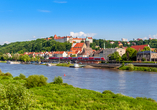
37	45
100	42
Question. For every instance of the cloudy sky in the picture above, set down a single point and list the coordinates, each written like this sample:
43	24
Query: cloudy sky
22	20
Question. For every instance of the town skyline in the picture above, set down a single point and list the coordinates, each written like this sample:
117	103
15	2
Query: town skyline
101	19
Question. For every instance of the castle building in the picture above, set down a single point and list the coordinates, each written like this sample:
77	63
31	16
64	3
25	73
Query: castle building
71	39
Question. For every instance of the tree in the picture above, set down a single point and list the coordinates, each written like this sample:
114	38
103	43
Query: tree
25	58
16	56
130	54
146	48
115	56
82	41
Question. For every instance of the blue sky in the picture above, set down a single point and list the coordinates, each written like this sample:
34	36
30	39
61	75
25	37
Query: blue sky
22	20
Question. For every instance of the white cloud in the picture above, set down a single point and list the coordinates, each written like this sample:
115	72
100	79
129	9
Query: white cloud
60	1
44	11
80	34
151	36
2	43
34	37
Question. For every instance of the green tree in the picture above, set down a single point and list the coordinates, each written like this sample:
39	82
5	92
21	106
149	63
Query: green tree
130	54
16	56
25	58
116	56
146	48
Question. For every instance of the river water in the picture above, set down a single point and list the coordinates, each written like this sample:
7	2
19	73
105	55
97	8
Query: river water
130	83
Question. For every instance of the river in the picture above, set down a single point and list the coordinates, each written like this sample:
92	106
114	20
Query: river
130	83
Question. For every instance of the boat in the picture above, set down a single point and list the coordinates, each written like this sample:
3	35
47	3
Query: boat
48	64
75	66
9	62
13	62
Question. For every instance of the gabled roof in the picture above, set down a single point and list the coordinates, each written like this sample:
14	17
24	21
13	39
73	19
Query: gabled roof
147	52
58	52
139	47
78	45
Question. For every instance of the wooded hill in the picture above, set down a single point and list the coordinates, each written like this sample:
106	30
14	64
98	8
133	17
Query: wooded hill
39	45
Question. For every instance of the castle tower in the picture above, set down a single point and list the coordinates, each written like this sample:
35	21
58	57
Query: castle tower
87	42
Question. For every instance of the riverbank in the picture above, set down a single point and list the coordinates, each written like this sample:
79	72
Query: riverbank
64	64
3	61
136	68
64	96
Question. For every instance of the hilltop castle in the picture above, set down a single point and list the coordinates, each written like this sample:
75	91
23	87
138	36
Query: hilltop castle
71	39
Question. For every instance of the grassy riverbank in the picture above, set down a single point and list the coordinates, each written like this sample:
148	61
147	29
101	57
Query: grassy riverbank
64	64
62	96
3	61
136	68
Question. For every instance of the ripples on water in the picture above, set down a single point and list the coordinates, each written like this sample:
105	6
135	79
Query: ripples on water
130	83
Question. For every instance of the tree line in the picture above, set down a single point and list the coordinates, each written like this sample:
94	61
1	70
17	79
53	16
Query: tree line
39	45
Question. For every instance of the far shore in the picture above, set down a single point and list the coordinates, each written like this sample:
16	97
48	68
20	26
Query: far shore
118	67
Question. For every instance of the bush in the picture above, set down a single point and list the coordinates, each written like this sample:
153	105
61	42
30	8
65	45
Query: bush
36	81
8	74
58	80
122	64
107	92
6	77
22	76
15	97
130	67
17	78
143	59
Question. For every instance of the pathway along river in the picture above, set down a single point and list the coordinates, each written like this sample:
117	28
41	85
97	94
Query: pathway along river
130	83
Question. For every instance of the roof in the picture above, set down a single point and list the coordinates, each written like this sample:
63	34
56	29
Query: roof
139	47
147	52
58	52
77	47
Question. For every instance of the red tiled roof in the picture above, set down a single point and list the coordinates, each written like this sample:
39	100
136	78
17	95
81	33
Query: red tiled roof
78	45
138	47
58	52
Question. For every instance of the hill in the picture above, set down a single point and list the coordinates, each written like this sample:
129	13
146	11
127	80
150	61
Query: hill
34	46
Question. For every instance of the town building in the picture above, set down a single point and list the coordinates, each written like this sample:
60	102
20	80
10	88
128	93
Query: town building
106	52
120	44
111	42
87	51
98	53
147	55
59	54
71	39
76	48
123	39
139	39
139	47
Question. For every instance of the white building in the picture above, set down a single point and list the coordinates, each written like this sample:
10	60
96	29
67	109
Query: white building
71	39
123	39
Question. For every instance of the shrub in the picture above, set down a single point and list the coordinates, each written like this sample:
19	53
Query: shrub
58	80
15	97
36	81
122	64
143	59
1	74
8	74
5	77
107	92
17	78
22	76
130	67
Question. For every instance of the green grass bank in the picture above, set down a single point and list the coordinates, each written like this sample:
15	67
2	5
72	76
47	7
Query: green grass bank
64	64
61	96
137	68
